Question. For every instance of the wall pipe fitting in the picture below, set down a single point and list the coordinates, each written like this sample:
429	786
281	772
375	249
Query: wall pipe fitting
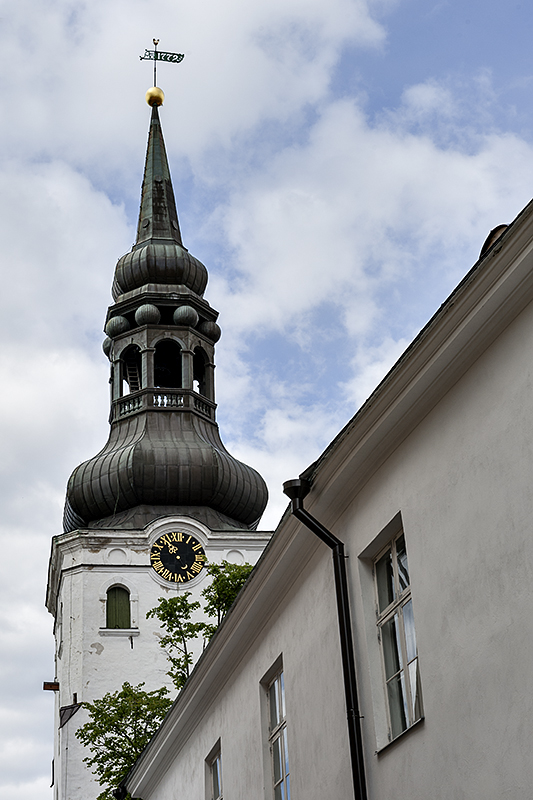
296	490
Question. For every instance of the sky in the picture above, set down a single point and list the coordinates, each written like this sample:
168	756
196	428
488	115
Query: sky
337	165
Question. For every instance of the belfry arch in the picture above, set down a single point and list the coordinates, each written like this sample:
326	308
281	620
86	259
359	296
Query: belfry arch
199	363
130	361
167	365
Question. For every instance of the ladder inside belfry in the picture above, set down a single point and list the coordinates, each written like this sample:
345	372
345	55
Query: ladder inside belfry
133	377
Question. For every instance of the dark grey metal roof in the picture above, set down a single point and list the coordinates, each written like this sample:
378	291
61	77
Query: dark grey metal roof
171	459
164	454
158	255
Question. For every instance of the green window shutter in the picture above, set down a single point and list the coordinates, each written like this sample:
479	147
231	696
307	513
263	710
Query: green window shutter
118	608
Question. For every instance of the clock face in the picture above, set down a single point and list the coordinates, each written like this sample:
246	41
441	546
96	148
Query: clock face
177	557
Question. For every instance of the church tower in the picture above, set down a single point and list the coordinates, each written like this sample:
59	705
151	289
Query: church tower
162	496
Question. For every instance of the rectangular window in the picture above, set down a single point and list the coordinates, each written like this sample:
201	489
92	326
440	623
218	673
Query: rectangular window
216	779
278	738
396	633
213	774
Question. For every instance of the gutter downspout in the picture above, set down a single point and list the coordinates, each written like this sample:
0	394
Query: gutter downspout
296	490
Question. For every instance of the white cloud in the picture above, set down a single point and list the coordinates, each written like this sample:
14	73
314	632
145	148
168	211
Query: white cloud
290	438
354	211
245	62
374	221
27	790
370	366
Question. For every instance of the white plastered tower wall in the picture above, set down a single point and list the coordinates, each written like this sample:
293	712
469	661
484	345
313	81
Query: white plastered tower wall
91	659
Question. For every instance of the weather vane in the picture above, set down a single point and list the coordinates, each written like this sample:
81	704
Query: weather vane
156	55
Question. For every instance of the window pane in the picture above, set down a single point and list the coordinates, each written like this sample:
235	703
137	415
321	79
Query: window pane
409	627
391	646
215	772
401	558
278	792
286	749
276	759
397	705
282	686
385	580
416	695
273	695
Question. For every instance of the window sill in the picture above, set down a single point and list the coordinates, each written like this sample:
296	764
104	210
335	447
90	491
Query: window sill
400	736
119	631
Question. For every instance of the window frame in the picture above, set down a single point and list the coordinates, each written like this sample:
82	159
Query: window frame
409	706
215	768
124	592
213	757
277	736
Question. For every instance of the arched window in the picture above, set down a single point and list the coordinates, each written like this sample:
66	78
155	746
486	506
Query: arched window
198	366
131	369
118	613
167	365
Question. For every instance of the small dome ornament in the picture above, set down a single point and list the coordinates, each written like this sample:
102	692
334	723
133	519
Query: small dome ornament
147	314
155	96
107	344
116	326
186	315
210	329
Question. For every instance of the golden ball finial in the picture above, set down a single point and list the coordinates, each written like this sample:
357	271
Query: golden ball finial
155	96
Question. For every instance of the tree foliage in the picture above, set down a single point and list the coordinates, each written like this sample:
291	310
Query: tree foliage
120	726
228	580
174	614
122	723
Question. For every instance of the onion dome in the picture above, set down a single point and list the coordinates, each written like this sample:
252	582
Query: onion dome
171	460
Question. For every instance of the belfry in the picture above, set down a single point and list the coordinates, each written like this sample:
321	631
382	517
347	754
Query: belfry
163	475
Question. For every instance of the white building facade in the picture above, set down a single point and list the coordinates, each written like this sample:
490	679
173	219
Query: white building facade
430	487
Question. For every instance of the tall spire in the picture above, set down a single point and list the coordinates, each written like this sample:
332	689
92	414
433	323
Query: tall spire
164	454
158	217
158	257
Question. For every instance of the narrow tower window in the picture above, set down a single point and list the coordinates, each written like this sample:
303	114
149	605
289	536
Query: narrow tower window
199	362
118	613
167	365
131	370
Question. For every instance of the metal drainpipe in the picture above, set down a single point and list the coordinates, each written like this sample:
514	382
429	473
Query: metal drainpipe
296	490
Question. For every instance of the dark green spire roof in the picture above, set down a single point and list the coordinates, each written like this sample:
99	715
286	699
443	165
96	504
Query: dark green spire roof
158	256
164	455
158	217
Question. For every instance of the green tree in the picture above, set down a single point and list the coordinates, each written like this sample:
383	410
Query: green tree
174	614
228	580
122	723
120	726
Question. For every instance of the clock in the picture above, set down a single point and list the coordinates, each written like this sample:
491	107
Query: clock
177	557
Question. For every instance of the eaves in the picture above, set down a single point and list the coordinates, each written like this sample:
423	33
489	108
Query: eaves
497	288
